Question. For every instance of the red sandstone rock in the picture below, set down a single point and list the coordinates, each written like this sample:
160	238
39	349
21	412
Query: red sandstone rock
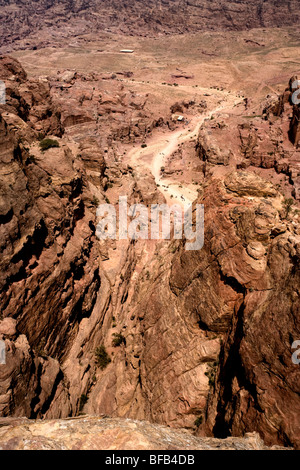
204	334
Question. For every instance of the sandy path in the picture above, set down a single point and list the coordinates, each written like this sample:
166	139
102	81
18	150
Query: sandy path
162	148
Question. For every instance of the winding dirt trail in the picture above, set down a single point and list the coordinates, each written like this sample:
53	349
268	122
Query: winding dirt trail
161	148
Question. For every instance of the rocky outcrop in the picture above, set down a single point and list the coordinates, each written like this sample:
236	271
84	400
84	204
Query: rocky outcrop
190	322
29	100
265	137
30	379
238	289
94	433
249	184
295	126
49	262
100	106
209	152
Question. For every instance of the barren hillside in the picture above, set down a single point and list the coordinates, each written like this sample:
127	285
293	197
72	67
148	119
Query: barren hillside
31	24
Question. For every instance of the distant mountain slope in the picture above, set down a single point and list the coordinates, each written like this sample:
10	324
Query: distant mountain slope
24	18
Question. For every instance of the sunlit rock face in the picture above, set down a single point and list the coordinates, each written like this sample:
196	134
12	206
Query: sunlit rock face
204	337
94	433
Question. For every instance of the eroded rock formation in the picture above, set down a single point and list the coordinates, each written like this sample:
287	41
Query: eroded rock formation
47	245
92	433
145	329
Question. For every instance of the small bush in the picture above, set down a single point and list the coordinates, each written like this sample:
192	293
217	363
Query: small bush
288	203
211	373
198	421
30	159
118	340
144	146
46	144
95	201
102	358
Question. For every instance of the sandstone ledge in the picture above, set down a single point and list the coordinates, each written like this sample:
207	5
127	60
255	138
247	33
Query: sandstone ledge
96	433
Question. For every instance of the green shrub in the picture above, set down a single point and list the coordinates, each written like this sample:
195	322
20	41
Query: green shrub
46	144
288	203
211	373
198	421
118	340
102	358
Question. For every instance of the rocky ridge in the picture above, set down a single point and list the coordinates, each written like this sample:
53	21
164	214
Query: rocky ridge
51	23
94	433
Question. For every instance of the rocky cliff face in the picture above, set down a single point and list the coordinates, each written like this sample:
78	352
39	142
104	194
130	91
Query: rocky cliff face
50	263
240	289
145	329
295	126
47	241
209	333
30	24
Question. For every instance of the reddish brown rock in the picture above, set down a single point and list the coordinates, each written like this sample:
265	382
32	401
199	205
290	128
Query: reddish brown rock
200	340
92	433
295	126
52	23
49	268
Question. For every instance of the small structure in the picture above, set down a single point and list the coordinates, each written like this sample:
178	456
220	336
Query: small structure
177	117
127	51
